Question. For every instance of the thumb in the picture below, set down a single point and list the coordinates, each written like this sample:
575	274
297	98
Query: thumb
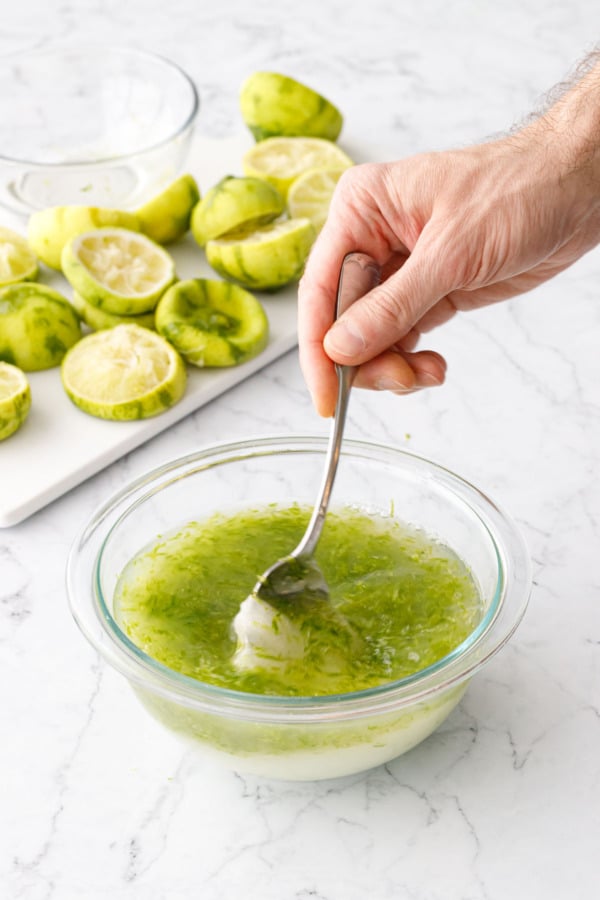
386	314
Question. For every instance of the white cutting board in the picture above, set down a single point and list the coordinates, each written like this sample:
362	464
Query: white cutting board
59	446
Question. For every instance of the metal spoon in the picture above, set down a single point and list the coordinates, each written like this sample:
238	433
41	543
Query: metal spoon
267	626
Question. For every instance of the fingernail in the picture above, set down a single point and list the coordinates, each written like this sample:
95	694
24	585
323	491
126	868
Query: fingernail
426	379
345	338
385	383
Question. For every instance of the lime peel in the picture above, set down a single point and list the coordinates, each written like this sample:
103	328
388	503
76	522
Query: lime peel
212	323
280	160
266	259
275	104
119	271
17	261
166	217
98	319
310	194
15	399
123	373
50	229
235	204
37	326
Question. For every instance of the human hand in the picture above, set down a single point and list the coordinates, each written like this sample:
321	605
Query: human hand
451	231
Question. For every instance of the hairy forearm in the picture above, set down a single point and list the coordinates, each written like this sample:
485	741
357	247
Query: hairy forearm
574	120
562	145
569	128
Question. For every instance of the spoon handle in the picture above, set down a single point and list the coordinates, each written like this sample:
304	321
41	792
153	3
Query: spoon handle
358	275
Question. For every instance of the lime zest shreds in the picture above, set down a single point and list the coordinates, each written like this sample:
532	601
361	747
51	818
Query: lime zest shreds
410	598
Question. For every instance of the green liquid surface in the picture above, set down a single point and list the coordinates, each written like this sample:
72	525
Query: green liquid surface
409	600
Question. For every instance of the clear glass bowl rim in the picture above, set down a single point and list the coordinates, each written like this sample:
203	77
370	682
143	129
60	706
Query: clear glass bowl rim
105	636
134	52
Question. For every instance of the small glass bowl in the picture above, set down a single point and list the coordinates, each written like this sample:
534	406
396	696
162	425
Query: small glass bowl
100	126
301	738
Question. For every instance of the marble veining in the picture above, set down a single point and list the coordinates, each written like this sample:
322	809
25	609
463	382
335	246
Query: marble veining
503	800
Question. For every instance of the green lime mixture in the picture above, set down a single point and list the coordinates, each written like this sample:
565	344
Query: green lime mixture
409	599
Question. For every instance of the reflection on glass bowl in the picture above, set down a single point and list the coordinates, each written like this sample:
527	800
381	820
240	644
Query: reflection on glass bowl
301	738
102	126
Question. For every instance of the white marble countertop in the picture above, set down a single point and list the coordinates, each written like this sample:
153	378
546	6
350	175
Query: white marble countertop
504	800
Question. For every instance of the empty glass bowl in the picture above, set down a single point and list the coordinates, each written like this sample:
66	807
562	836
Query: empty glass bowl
301	737
101	126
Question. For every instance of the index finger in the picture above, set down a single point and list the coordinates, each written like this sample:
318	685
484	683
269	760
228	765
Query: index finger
349	228
316	304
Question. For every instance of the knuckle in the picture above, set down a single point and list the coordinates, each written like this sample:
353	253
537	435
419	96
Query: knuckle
355	182
384	309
